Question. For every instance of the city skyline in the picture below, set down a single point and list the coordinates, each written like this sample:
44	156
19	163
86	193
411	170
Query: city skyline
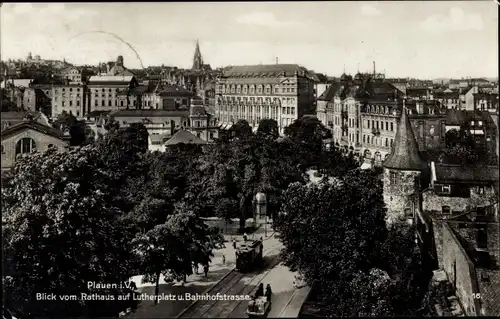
406	39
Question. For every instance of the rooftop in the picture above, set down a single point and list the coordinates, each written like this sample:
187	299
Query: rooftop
185	137
110	78
466	174
34	125
271	70
149	113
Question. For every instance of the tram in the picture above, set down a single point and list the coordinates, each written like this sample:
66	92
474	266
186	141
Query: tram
248	255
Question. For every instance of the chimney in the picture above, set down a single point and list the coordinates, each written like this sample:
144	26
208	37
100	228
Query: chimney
374	68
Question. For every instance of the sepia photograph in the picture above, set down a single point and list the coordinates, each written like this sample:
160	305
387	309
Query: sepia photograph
309	159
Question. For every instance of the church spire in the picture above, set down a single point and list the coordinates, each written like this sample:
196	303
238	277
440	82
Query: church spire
197	59
405	154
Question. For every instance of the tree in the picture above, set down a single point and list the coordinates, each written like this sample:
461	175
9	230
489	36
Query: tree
308	134
67	121
332	234
170	249
61	232
241	130
335	163
268	127
227	209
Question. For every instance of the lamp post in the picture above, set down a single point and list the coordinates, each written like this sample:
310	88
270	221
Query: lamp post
260	200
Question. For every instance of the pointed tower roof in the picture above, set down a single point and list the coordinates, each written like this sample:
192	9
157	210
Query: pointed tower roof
197	59
405	155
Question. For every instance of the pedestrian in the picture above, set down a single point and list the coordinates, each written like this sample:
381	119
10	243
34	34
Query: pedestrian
234	243
245	237
223	259
205	269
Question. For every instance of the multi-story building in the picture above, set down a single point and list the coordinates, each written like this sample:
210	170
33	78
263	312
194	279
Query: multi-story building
36	99
118	68
356	111
283	92
363	113
76	75
450	98
109	93
201	123
71	98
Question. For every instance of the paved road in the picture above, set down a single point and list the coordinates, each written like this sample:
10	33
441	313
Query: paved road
235	284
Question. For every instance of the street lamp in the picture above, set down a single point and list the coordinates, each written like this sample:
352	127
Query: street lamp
260	200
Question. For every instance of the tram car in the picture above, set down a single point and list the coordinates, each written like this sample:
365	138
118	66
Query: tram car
248	255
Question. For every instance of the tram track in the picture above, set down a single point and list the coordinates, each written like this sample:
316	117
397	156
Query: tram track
226	286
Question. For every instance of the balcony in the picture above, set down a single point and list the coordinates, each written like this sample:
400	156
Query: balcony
375	131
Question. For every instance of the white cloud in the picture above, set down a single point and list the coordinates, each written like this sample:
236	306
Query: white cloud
456	20
266	19
369	10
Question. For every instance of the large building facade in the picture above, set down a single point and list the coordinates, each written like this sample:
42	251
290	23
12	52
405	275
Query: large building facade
363	115
283	92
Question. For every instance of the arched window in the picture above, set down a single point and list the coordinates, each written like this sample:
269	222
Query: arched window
25	146
245	89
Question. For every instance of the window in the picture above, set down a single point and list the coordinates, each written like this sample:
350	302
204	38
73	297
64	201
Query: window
446	210
392	127
3	150
102	103
109	103
482	238
386	142
368	122
364	138
77	103
70	103
393	178
121	103
25	145
386	126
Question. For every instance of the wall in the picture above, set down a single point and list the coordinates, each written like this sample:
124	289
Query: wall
434	203
397	197
42	143
464	271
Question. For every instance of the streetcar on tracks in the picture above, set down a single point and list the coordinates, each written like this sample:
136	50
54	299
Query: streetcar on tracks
249	255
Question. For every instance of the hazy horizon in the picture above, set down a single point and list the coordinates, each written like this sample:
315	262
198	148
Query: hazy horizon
418	39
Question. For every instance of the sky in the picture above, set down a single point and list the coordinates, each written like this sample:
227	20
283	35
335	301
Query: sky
423	39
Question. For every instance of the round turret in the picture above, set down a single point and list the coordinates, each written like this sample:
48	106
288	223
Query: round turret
343	77
358	77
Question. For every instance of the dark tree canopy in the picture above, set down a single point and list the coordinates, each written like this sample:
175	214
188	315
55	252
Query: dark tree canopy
241	130
268	127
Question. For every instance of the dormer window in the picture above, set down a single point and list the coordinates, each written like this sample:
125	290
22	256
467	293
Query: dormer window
480	123
472	123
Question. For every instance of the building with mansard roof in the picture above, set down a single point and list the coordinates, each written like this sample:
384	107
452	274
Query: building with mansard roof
283	92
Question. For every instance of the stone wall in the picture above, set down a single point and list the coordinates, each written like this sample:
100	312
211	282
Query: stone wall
398	197
460	272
